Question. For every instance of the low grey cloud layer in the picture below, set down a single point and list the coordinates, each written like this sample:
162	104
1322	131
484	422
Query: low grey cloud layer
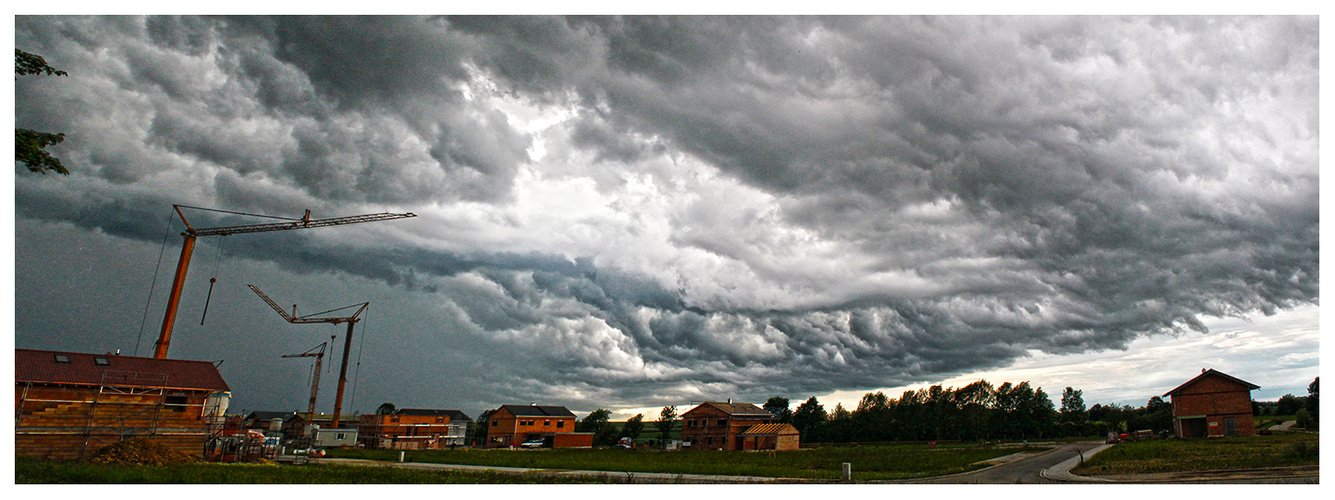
644	211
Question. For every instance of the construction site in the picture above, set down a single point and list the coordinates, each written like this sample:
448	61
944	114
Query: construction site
69	405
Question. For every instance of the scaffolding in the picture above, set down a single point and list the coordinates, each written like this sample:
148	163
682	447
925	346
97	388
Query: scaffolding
73	421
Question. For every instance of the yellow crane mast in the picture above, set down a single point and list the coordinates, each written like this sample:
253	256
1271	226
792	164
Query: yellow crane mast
316	352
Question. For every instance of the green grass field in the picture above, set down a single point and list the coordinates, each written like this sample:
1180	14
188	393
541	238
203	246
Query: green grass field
1173	455
42	472
868	462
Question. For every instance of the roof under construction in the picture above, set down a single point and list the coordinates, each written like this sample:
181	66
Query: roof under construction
75	368
770	430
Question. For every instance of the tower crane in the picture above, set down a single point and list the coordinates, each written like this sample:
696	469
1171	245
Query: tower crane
315	376
347	340
188	248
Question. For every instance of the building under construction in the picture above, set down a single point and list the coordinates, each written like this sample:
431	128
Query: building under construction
69	405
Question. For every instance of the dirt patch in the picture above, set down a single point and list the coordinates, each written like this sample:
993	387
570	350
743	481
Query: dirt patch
139	451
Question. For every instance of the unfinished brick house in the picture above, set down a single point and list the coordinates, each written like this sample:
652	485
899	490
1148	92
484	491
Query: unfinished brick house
1213	404
720	426
68	405
511	425
414	429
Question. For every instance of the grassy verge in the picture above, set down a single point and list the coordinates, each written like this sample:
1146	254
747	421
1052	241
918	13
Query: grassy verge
1173	455
871	462
42	472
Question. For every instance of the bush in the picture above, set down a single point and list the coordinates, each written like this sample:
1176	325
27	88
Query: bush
1305	420
1301	449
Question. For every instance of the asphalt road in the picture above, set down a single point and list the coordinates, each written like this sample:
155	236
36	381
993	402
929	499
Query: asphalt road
1024	471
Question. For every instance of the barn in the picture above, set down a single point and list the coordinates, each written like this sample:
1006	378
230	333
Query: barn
1213	404
68	405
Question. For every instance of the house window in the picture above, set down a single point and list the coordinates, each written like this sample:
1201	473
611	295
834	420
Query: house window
722	422
560	424
440	420
175	403
495	423
101	361
61	358
394	418
546	423
340	436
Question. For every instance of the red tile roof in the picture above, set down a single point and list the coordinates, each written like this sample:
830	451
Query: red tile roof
125	371
1212	373
738	409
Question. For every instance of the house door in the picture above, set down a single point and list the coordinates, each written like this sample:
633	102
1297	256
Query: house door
1193	427
1230	427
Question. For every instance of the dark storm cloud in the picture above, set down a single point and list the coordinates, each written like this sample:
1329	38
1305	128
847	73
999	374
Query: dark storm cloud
925	196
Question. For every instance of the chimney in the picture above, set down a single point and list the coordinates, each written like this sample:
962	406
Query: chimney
1202	371
729	400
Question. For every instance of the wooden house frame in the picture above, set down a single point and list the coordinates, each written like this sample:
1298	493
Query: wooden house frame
69	405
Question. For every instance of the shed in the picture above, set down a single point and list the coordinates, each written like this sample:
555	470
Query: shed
778	437
1214	404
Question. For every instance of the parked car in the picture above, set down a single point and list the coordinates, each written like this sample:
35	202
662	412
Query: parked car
536	443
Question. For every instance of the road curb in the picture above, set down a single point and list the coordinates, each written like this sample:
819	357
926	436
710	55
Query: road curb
1062	471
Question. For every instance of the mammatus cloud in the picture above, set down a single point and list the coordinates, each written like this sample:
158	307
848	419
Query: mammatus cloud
644	210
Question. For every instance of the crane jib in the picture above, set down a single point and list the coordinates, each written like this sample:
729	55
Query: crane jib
280	226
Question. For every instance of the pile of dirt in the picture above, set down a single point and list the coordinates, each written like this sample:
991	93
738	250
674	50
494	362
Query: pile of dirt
139	451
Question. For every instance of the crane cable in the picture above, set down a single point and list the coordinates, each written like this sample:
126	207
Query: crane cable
212	280
357	371
153	286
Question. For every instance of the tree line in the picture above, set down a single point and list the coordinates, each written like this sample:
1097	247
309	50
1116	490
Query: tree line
975	412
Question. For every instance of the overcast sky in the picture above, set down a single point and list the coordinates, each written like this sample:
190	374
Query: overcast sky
628	213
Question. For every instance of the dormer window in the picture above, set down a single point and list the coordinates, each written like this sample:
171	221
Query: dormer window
101	361
61	358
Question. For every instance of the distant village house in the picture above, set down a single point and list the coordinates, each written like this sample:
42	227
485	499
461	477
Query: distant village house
512	425
414	429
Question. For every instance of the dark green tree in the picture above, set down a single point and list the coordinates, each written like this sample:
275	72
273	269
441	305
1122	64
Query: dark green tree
596	419
667	419
30	145
1073	406
478	428
809	418
778	407
1313	399
840	426
1288	404
385	409
604	433
634	427
871	420
974	404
